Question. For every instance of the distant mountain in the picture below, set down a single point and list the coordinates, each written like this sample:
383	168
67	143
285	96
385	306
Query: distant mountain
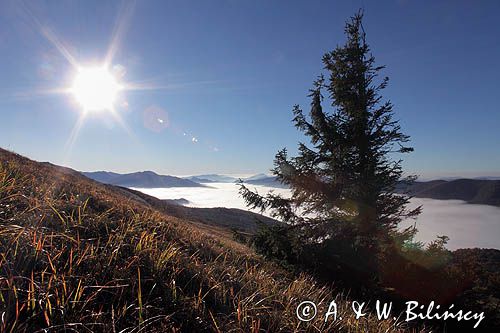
256	177
267	181
264	180
144	179
211	178
200	180
488	178
105	177
476	191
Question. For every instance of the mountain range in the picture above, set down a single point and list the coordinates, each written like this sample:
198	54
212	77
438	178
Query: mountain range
258	179
150	179
211	178
269	181
144	179
483	190
475	191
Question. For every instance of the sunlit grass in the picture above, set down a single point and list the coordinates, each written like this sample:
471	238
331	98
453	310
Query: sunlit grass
78	256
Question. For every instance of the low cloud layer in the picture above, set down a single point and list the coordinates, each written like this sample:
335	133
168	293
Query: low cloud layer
466	225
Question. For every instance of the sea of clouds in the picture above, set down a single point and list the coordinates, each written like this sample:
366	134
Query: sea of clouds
466	225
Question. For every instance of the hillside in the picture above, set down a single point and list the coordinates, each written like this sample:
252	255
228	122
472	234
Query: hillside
144	179
475	191
78	255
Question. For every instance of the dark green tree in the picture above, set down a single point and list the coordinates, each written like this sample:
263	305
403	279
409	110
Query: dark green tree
343	183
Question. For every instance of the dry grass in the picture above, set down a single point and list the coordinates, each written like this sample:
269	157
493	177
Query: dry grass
78	256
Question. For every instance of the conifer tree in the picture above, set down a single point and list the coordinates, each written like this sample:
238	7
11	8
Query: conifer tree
343	183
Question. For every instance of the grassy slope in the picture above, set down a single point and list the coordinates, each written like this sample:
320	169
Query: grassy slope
82	256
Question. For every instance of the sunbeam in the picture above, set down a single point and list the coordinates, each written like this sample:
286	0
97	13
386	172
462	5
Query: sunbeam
52	38
68	147
121	23
116	116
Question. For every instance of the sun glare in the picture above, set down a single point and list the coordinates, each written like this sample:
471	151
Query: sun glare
95	89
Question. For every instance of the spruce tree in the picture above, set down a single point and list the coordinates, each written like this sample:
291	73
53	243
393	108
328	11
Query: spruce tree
343	183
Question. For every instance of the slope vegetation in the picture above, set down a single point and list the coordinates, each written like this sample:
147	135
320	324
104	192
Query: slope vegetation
80	256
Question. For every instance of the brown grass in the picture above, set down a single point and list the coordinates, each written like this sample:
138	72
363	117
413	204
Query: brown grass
78	256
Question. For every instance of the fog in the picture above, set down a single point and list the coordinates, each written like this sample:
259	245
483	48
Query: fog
216	195
466	225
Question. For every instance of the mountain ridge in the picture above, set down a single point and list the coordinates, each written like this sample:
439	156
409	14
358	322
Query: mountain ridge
141	179
473	191
211	178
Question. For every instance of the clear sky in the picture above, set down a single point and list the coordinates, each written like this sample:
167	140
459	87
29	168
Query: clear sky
218	80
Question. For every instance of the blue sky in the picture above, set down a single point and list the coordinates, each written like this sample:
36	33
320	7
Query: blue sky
227	73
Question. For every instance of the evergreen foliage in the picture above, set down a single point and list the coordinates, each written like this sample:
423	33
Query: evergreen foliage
343	201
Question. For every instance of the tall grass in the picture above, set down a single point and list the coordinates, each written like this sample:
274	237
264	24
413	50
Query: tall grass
77	256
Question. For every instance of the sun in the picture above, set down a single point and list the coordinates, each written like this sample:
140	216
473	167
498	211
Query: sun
95	89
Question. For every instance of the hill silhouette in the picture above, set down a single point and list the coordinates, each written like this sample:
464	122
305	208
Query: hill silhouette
475	191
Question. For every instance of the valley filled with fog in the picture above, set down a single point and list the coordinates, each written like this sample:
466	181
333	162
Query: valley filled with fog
465	224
